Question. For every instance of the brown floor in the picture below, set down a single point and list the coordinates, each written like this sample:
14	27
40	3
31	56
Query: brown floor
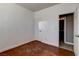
37	48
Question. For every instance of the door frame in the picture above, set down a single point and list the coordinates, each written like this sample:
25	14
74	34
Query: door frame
65	28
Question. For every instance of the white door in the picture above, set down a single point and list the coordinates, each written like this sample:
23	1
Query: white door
42	30
76	31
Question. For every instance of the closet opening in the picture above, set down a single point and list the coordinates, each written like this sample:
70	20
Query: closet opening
66	30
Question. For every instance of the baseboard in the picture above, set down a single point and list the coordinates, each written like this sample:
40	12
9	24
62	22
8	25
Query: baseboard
14	46
69	43
48	43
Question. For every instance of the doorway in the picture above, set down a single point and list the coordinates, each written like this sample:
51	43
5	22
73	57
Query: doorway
66	26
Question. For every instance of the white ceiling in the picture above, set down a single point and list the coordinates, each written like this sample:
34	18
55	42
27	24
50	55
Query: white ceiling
36	6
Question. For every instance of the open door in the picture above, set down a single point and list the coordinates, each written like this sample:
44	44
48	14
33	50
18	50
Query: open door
66	31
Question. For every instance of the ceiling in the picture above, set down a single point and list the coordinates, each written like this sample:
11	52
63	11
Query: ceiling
36	6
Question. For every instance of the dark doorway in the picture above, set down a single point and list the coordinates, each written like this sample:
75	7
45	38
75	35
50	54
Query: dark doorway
61	31
66	26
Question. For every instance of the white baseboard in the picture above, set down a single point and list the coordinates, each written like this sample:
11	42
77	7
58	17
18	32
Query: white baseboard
48	43
69	43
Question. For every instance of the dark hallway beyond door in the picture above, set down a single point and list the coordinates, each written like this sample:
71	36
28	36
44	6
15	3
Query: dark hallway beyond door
61	31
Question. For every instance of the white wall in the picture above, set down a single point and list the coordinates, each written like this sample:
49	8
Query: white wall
16	26
51	15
